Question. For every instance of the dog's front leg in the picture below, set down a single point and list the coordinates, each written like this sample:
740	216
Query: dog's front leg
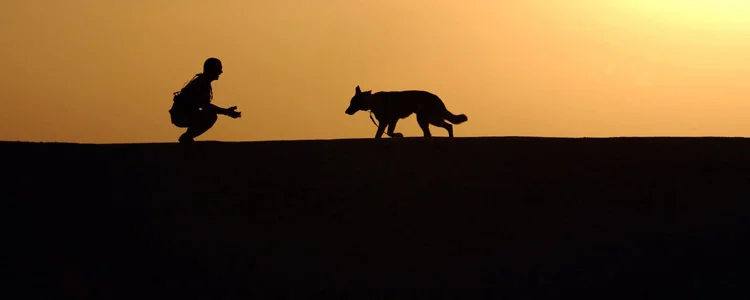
381	129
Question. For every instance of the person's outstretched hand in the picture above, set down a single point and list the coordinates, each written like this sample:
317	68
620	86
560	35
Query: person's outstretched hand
233	113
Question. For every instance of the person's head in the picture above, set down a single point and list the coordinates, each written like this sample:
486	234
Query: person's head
212	68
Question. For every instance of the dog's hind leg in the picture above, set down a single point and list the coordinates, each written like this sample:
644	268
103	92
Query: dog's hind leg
391	127
441	123
424	123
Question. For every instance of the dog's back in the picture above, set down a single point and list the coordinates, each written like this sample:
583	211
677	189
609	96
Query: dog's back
401	104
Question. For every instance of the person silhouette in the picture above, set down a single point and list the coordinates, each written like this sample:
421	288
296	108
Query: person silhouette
192	107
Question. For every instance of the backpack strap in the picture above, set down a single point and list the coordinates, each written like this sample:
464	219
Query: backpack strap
177	93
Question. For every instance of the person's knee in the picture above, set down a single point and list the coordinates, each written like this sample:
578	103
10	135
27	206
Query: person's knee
211	118
207	119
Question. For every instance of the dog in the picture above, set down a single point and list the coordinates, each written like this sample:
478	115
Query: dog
389	107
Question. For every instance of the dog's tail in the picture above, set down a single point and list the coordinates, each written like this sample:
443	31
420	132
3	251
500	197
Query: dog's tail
455	119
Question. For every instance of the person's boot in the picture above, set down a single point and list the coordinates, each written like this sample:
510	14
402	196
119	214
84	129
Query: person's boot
184	139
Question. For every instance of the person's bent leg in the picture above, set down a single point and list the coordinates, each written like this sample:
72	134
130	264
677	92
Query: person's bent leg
202	122
182	120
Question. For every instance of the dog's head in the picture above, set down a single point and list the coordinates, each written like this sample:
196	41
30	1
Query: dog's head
359	101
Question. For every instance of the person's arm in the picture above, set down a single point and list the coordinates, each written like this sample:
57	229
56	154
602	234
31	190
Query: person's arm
206	105
231	112
216	109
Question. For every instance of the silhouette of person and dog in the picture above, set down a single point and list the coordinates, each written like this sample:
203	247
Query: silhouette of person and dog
192	107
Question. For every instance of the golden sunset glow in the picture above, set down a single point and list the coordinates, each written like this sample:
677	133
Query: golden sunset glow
717	14
104	71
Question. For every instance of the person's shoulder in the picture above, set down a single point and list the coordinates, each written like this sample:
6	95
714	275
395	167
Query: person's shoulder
202	81
198	82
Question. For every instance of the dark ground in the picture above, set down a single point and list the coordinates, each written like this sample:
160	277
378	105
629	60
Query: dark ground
626	218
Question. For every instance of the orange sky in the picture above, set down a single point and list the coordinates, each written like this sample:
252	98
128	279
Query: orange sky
96	71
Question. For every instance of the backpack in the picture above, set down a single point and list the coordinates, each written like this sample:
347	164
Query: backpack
176	96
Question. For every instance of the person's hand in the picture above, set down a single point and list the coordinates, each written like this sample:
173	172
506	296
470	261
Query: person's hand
233	113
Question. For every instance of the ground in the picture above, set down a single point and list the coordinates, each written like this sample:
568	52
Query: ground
636	218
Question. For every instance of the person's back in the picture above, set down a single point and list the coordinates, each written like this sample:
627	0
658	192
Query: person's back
195	95
192	108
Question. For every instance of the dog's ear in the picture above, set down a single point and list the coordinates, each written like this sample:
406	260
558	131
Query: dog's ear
368	92
357	90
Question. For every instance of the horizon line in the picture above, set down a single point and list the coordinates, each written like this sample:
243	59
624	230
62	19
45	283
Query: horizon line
370	138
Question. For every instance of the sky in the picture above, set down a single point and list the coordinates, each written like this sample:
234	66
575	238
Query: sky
91	71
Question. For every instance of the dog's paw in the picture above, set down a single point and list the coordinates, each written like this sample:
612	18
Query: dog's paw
397	135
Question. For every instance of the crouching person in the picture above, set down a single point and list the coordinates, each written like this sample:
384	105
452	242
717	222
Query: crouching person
192	108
